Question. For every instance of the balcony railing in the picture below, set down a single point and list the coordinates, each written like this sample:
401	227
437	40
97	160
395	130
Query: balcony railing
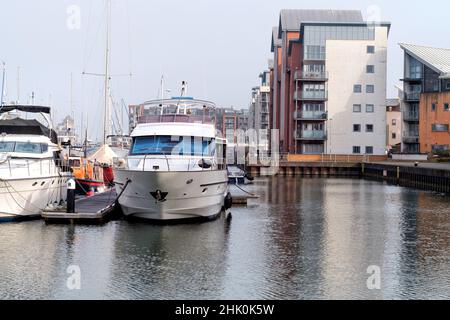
410	116
311	95
412	96
311	135
310	115
311	75
410	137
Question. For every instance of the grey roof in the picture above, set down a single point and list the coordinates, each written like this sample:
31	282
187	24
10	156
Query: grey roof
436	58
290	19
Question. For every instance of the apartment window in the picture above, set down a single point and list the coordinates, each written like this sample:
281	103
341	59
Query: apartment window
369	128
371	49
415	69
440	127
370	108
356	128
356	150
369	150
446	107
370	88
357	108
370	69
439	147
357	88
394	135
433	107
394	122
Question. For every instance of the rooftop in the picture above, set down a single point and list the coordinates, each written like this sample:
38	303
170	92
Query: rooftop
437	59
290	20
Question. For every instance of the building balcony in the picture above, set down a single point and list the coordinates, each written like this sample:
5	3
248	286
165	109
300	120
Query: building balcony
311	115
318	135
301	75
410	116
412	96
411	137
311	95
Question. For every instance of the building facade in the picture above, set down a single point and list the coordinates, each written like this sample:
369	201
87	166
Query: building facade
394	125
330	88
259	111
426	113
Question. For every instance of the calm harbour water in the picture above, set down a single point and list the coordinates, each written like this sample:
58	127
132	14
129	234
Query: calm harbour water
304	239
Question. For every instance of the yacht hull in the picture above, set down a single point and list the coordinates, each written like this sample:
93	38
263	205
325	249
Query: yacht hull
165	196
27	198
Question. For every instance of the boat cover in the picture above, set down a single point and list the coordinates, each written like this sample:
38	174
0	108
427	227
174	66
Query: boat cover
31	127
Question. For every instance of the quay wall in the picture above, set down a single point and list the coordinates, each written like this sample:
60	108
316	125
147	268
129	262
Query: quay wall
437	180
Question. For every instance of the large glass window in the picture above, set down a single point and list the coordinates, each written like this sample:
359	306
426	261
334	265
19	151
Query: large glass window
415	69
172	145
7	146
28	147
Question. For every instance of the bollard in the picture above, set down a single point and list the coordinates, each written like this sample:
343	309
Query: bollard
71	186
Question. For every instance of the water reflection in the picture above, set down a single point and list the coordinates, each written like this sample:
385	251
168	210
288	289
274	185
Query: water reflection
303	239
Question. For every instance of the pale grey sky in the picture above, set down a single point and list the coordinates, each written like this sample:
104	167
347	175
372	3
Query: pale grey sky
218	46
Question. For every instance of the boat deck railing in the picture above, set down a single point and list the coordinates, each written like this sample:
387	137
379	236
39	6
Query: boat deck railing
33	167
194	163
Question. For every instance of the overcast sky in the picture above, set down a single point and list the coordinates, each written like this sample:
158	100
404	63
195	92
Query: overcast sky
219	47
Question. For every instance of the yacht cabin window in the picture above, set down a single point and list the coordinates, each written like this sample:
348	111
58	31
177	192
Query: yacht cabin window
23	147
171	145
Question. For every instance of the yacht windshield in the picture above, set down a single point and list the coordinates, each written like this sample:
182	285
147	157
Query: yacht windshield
23	147
170	145
7	146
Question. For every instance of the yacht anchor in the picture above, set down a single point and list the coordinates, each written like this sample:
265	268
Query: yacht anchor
159	196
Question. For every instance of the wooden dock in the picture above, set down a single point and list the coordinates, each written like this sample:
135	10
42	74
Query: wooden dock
90	210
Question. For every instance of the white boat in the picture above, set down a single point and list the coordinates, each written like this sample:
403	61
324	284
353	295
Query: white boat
32	175
176	166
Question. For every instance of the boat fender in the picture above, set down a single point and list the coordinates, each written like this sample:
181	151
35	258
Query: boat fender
228	203
205	164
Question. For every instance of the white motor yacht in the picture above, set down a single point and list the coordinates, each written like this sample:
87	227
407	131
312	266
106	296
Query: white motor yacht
32	175
176	166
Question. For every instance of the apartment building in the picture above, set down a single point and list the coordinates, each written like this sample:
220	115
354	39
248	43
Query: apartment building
426	113
259	106
394	125
230	120
329	82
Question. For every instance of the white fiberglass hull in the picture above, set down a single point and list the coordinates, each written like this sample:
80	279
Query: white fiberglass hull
185	195
29	197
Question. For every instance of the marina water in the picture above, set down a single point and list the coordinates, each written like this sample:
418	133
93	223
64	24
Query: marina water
303	239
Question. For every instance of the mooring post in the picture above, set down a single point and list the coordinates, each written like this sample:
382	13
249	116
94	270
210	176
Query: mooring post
71	186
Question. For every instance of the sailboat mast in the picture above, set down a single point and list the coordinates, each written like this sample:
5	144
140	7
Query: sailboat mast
3	84
107	85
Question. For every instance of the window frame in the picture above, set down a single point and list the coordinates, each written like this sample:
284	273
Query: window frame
355	86
370	49
370	86
367	108
370	69
354	108
355	126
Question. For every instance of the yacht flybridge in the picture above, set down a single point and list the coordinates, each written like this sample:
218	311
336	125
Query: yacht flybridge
176	166
32	175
